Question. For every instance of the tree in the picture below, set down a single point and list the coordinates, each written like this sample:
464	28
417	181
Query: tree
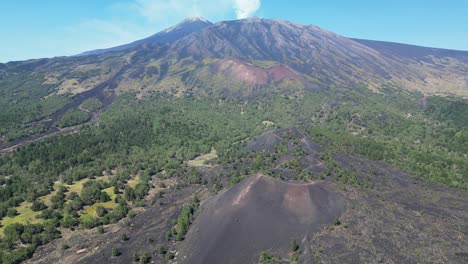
129	193
12	234
195	177
58	200
68	221
115	252
91	193
12	212
123	237
38	206
88	221
101	211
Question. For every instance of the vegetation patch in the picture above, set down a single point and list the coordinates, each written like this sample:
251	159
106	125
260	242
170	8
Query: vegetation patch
77	186
72	118
134	182
160	135
92	104
203	160
268	123
91	210
184	220
47	198
24	215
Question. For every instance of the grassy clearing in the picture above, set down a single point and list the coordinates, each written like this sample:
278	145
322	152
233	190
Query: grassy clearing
268	123
78	186
133	182
25	215
202	160
46	198
109	205
75	187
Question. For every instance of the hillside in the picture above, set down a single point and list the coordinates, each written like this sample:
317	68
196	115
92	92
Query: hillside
245	141
247	58
169	35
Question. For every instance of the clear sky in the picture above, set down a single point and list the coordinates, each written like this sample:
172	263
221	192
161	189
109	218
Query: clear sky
48	28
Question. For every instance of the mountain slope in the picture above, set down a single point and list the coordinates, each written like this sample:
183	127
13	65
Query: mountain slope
327	58
246	58
189	57
412	51
308	49
186	27
266	212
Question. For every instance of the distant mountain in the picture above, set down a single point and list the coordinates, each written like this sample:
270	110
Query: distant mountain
321	58
251	57
411	51
186	27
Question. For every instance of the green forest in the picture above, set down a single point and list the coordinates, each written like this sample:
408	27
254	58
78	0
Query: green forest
156	136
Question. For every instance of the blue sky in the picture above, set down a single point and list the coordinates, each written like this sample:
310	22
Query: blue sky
48	28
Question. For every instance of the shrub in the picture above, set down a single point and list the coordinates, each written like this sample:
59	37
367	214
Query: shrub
144	259
101	211
294	246
169	255
115	252
162	250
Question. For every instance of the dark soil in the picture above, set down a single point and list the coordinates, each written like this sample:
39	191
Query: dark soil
399	219
260	213
146	232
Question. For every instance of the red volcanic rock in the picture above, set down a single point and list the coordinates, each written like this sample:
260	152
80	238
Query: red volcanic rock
239	71
281	72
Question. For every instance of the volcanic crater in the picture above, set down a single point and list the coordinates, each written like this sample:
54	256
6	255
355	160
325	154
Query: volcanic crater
263	212
253	75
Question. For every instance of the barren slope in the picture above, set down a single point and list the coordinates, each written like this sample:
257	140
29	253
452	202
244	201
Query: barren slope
260	213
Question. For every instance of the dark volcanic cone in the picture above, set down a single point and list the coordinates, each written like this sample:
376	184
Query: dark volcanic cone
260	213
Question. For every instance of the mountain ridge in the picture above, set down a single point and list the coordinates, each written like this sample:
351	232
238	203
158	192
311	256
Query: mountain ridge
180	59
187	26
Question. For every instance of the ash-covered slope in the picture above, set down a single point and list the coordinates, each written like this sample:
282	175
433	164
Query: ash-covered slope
412	51
327	58
260	213
248	58
238	58
321	54
186	27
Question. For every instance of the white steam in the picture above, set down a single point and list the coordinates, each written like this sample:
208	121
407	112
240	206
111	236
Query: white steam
246	8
